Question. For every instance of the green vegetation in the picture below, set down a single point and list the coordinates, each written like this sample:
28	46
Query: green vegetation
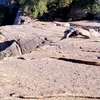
95	8
92	5
48	9
36	8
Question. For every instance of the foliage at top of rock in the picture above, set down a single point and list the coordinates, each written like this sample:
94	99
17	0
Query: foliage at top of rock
89	8
37	8
50	10
61	8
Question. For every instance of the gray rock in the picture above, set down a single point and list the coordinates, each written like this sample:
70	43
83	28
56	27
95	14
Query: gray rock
17	40
21	18
53	72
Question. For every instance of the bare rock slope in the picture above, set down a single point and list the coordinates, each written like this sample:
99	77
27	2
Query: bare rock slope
37	65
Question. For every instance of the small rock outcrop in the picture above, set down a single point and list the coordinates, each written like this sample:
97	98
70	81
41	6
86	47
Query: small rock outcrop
21	18
94	33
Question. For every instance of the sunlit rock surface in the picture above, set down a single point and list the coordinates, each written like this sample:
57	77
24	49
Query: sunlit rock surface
36	64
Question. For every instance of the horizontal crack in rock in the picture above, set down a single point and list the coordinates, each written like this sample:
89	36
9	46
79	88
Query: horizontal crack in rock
51	96
78	61
91	51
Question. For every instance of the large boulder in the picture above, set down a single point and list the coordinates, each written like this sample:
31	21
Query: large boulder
13	42
17	40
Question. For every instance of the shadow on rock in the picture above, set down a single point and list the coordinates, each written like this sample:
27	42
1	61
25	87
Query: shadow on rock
5	45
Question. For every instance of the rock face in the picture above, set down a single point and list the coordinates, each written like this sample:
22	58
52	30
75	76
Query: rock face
37	64
21	18
17	40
